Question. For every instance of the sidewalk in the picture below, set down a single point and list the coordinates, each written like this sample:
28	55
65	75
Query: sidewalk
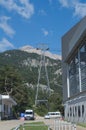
8	125
80	128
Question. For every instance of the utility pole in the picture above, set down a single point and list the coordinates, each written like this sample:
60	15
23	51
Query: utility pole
43	48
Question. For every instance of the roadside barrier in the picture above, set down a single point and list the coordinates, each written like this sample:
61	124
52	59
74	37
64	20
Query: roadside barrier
64	125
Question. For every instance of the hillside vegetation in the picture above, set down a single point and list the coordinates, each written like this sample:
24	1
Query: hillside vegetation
19	77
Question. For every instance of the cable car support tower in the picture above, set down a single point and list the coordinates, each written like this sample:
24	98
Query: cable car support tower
43	64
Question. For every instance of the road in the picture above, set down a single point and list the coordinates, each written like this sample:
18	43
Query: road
8	125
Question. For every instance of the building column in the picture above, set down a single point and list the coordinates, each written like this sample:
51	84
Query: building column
80	88
68	86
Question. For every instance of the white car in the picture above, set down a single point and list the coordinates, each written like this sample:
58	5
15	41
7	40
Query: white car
53	115
29	115
47	116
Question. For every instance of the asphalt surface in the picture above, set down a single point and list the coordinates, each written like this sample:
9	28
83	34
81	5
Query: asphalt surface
9	124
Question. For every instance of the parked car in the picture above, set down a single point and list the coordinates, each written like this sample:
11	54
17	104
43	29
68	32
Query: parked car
29	114
53	115
47	116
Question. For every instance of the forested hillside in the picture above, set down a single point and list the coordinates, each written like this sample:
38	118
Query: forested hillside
19	77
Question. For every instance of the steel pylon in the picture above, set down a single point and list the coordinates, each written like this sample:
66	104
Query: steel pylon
42	64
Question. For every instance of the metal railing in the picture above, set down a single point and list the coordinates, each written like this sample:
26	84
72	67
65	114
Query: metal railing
64	125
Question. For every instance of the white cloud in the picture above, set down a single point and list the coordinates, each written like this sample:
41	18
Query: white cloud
78	7
42	12
5	27
45	32
5	44
22	7
64	3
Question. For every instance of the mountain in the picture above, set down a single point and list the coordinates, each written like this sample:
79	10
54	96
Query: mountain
30	49
27	65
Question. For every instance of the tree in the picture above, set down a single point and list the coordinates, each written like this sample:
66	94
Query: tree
11	83
55	103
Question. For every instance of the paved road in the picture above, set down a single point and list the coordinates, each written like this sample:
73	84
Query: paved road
8	125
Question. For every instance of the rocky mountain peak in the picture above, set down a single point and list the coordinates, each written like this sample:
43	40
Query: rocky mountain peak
31	49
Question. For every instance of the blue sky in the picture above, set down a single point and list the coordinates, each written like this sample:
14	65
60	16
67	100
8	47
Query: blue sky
32	22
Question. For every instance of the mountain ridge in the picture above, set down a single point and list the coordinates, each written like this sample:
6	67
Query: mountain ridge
28	63
47	53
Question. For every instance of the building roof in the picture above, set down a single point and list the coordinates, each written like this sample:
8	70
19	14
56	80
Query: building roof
72	39
8	98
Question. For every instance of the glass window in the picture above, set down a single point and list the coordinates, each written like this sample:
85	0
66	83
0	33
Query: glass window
74	75
83	66
78	62
83	55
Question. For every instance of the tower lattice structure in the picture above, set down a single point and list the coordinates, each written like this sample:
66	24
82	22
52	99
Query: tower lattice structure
42	67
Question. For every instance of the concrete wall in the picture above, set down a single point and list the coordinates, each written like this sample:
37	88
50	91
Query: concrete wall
6	104
7	111
74	115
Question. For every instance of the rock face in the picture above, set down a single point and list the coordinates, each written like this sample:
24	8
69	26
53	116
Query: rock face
27	64
30	49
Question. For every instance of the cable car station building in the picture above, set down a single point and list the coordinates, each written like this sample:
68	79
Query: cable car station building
74	72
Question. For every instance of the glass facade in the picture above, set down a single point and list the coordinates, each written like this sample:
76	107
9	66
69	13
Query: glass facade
83	66
74	75
77	71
